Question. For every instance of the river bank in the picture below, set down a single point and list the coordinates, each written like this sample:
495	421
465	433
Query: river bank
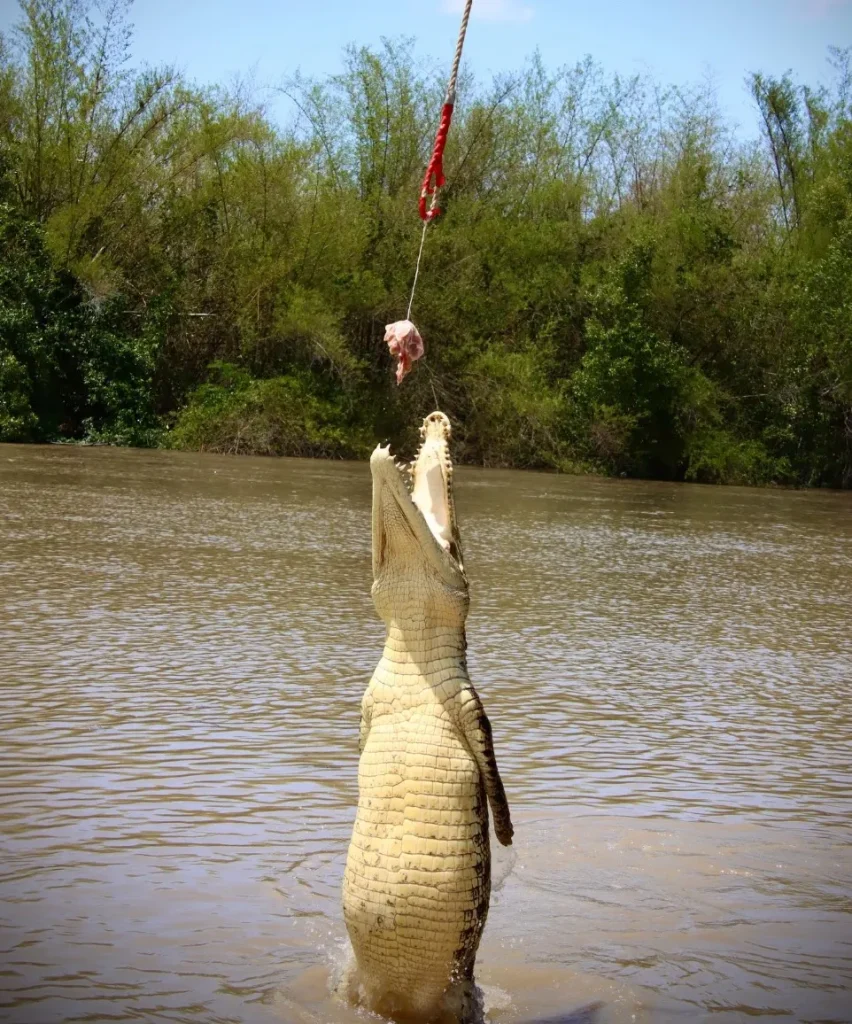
360	450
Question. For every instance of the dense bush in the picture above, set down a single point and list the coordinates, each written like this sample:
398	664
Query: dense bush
618	284
236	413
68	365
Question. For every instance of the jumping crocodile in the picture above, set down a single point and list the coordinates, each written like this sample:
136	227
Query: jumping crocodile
418	874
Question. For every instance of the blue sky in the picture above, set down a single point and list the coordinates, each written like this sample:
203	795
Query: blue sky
678	41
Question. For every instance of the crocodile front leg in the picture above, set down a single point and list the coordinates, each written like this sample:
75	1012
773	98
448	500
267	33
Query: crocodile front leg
366	715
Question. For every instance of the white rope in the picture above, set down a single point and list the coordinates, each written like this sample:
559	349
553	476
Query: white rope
417	270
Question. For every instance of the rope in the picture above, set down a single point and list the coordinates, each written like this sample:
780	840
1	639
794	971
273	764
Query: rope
451	88
417	270
435	170
434	177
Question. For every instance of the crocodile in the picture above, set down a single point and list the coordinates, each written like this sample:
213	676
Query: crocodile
418	873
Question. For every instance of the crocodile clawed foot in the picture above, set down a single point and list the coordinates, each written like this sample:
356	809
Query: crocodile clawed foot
383	459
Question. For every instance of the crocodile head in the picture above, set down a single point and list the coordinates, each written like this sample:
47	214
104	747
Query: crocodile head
414	519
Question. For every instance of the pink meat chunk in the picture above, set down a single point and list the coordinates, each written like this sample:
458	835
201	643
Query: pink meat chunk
405	345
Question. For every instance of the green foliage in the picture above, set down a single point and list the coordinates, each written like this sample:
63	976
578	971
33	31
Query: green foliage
515	414
627	390
618	282
237	414
716	456
820	372
17	420
68	367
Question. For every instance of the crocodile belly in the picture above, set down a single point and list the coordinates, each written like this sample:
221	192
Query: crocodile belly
417	879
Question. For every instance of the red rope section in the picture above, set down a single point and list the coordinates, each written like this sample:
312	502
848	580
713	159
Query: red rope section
434	177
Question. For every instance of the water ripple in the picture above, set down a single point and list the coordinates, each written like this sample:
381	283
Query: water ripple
184	642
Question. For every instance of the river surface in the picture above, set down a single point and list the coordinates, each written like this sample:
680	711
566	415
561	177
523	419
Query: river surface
184	641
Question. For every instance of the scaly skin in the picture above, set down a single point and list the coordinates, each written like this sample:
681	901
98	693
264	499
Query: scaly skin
417	880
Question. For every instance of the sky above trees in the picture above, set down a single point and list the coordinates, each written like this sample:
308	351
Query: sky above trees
676	41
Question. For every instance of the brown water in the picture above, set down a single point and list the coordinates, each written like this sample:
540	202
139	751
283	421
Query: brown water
184	641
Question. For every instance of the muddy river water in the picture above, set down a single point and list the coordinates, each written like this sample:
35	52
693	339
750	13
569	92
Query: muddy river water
184	641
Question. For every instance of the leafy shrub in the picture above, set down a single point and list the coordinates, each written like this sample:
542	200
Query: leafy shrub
236	413
515	415
717	457
68	367
17	420
627	391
